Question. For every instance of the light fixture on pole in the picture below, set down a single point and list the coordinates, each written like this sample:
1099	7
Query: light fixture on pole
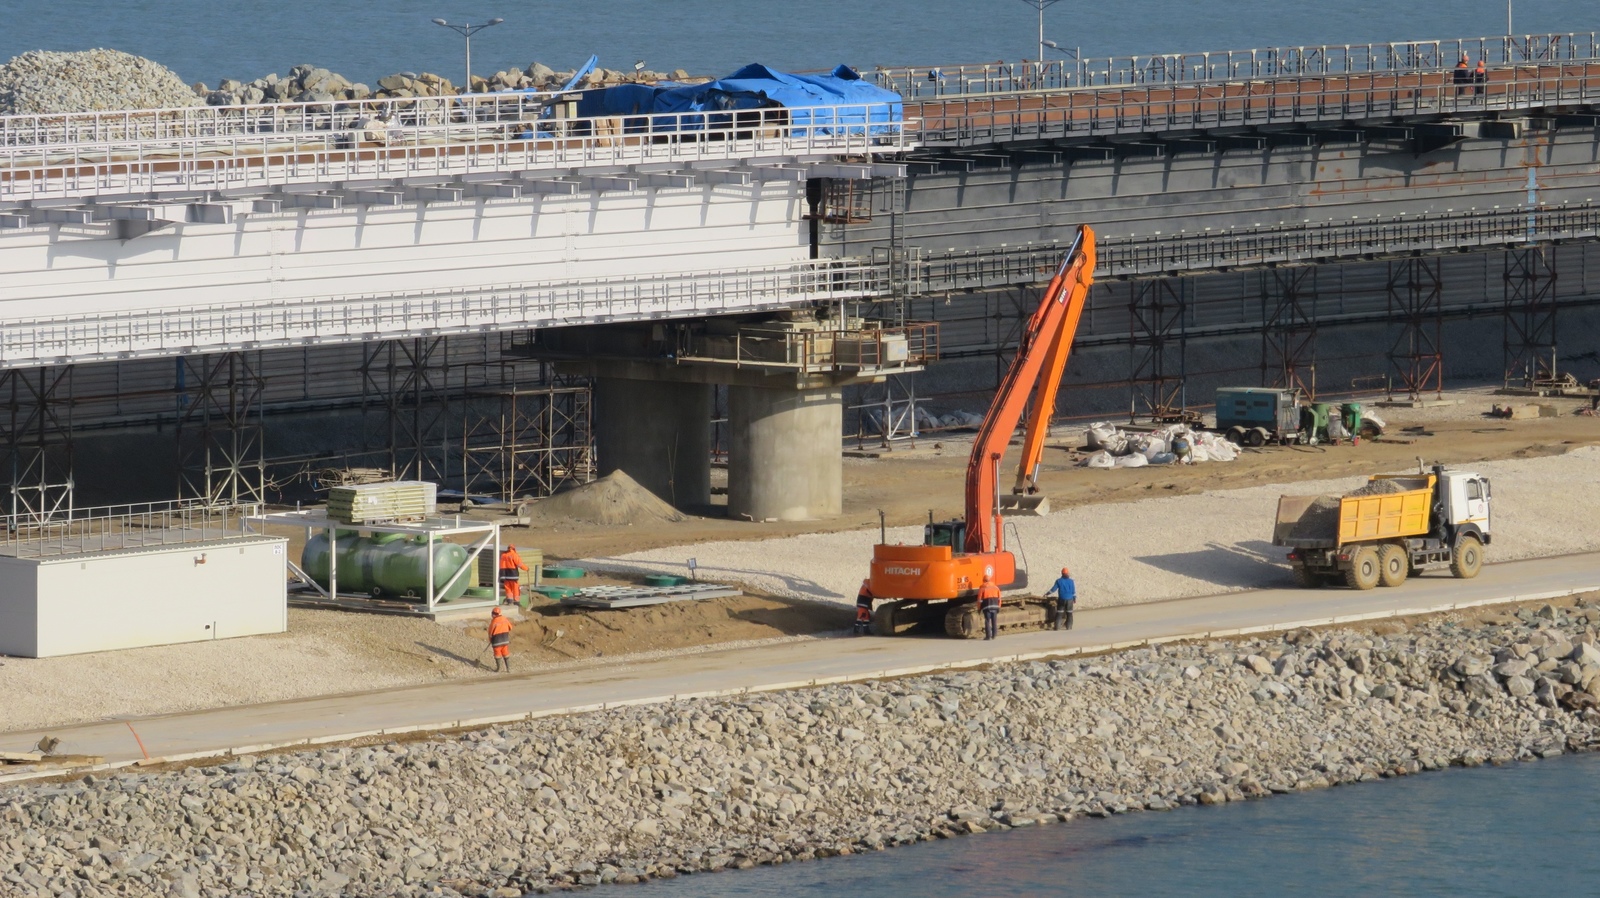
467	31
1040	6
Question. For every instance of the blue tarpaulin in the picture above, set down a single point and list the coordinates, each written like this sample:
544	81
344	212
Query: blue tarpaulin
820	104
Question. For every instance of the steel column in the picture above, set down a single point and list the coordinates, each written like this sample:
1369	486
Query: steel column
1289	331
1530	315
36	445
411	381
526	442
1157	347
221	451
1416	300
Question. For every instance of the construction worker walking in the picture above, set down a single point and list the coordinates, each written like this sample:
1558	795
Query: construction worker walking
511	568
500	639
1066	593
989	602
864	609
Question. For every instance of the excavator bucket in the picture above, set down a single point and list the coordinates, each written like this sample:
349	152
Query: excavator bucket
1036	505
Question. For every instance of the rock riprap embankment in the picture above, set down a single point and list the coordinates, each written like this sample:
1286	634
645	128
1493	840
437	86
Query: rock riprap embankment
43	82
649	792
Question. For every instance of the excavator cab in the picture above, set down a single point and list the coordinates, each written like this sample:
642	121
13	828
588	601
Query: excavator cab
945	533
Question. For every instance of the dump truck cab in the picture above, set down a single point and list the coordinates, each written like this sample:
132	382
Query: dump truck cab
1465	500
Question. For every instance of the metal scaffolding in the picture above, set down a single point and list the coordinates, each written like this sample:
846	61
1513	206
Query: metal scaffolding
1289	329
526	442
1530	316
1157	347
1416	300
36	446
221	451
409	381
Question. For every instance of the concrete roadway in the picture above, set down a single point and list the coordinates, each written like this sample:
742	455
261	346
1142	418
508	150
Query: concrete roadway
461	703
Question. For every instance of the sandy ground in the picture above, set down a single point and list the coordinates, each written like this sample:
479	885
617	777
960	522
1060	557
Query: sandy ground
1130	535
1162	548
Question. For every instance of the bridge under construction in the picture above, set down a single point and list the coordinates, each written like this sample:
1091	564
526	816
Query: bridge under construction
225	304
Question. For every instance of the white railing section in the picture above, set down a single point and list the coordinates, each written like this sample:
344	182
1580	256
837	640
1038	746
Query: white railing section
266	324
265	147
115	527
1397	57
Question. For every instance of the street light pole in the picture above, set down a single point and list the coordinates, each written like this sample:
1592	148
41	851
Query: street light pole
467	31
1040	6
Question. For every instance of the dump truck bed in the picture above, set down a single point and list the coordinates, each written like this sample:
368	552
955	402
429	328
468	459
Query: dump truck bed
1326	522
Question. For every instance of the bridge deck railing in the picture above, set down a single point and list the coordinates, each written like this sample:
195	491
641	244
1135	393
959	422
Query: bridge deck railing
272	146
1398	57
1299	100
271	323
1259	247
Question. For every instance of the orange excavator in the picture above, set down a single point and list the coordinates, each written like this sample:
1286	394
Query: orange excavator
940	577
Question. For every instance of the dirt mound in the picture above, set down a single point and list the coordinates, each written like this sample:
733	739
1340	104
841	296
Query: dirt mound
613	499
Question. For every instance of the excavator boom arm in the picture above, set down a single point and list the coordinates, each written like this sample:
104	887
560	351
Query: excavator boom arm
1035	374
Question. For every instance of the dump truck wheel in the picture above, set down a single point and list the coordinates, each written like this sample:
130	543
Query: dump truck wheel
1364	571
1393	565
1468	558
1305	578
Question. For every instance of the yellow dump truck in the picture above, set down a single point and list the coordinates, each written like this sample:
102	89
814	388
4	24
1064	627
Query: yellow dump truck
1395	526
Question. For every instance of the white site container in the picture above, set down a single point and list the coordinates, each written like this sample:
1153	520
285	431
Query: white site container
156	595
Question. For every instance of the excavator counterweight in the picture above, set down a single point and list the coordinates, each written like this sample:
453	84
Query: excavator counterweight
940	577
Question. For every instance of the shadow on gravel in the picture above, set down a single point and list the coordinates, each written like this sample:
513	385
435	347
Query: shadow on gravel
446	653
1256	564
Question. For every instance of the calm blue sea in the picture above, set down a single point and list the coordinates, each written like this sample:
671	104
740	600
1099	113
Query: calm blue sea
1526	830
206	40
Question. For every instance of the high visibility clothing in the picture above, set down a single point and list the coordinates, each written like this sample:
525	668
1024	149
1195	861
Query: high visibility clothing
500	635
989	596
510	564
1064	589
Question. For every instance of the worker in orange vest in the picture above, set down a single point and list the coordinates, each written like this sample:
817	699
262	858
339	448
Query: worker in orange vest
500	639
1463	75
1480	77
864	609
989	601
511	566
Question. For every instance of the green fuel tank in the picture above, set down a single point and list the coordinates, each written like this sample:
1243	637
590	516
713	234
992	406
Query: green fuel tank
388	564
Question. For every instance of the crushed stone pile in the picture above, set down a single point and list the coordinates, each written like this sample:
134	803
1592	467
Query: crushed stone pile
45	82
613	499
1379	488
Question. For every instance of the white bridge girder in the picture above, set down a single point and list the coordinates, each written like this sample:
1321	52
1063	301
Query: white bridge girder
308	268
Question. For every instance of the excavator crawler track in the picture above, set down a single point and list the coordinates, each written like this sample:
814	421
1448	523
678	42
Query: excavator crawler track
964	620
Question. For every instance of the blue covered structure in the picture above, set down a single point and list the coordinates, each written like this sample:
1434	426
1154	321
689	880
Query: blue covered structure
837	102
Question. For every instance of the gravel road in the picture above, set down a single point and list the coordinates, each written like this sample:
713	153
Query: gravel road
1159	548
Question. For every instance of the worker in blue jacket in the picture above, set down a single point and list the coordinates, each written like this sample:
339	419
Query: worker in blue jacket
1066	593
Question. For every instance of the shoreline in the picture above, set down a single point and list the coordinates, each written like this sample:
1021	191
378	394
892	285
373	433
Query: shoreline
632	794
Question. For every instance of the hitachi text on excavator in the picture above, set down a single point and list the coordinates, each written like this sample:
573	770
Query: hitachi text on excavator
940	578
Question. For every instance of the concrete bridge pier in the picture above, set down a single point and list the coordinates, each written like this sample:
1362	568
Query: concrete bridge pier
659	432
784	459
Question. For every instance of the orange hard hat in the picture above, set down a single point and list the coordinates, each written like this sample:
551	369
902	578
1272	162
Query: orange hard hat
495	612
1065	572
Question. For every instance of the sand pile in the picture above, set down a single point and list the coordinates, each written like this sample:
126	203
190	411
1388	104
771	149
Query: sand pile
613	499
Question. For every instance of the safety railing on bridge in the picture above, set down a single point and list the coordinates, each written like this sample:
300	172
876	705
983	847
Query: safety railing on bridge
820	350
270	323
977	121
262	147
118	527
1398	57
1278	244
